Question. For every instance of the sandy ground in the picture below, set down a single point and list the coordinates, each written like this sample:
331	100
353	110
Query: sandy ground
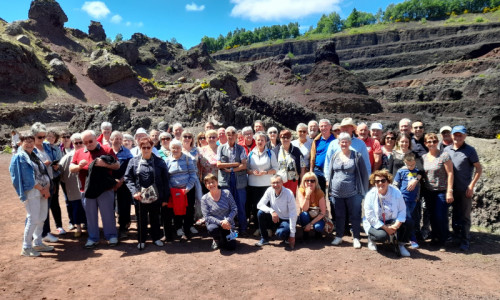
191	270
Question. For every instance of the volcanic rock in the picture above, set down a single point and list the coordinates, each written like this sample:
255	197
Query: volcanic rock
96	31
127	50
23	39
109	69
47	12
326	51
14	28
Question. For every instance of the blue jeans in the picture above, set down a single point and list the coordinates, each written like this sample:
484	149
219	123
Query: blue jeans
305	219
104	203
266	222
351	205
410	207
439	215
240	198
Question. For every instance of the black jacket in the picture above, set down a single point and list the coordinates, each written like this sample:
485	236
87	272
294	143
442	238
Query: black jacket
161	177
99	179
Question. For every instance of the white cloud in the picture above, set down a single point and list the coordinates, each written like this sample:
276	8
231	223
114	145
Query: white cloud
96	9
273	10
194	7
116	19
140	24
128	23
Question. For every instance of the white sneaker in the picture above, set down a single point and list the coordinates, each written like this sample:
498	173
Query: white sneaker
356	244
141	246
50	238
61	231
403	250
193	230
336	241
180	232
159	243
371	245
30	252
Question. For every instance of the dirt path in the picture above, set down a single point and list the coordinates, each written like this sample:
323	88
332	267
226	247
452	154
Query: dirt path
191	270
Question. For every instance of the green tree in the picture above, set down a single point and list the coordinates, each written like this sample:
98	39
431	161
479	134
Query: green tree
118	38
353	19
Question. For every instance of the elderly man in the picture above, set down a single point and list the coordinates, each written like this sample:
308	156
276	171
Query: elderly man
123	195
139	134
177	130
248	142
405	126
221	134
277	211
82	160
208	126
376	131
232	165
258	125
313	129
417	141
372	145
347	125
154	134
466	172
319	149
106	129
446	139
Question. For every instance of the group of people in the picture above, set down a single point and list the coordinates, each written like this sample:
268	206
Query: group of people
397	184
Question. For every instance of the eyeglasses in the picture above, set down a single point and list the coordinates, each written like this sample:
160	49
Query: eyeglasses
432	142
391	138
146	148
187	137
380	181
166	139
88	143
41	137
202	138
273	132
66	136
302	131
310	180
418	127
212	137
285	137
77	143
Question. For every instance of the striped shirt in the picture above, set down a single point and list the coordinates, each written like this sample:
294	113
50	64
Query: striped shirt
182	172
215	211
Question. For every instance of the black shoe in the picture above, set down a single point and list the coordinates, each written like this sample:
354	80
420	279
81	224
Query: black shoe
464	246
243	234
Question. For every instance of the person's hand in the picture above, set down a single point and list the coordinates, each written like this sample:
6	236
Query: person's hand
186	191
256	172
47	163
449	197
164	204
225	224
137	196
469	192
308	227
291	241
309	191
390	230
275	217
411	185
83	163
45	192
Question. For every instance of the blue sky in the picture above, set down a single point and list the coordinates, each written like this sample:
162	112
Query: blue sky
189	20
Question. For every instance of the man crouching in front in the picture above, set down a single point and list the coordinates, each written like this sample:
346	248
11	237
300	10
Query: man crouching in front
277	211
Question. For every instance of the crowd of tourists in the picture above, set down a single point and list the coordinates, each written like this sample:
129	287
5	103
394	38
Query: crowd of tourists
396	185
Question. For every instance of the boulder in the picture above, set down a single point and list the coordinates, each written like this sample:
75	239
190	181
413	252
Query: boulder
88	117
51	56
60	72
109	69
14	28
96	31
47	12
161	52
226	82
77	33
197	57
98	53
326	52
127	50
23	39
139	39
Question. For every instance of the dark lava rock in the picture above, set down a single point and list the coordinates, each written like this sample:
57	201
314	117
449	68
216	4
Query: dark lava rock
51	56
326	51
60	72
14	28
226	82
47	12
197	57
162	52
23	39
127	50
139	39
329	78
96	31
88	117
77	33
109	69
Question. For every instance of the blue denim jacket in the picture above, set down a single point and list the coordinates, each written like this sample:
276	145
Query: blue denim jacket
22	173
54	153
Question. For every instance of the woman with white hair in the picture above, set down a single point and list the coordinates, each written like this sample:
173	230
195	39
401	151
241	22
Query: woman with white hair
274	142
128	141
348	184
164	150
248	142
304	143
105	137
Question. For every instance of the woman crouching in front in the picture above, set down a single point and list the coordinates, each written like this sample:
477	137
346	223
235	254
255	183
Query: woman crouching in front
385	213
312	204
219	209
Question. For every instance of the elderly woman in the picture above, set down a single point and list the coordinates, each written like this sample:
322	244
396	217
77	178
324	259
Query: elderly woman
66	146
248	139
388	143
312	204
348	185
55	208
182	182
104	138
385	213
303	143
146	178
438	169
291	162
177	129
219	210
274	142
32	183
188	146
208	156
201	140
164	150
261	165
71	187
128	141
47	155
